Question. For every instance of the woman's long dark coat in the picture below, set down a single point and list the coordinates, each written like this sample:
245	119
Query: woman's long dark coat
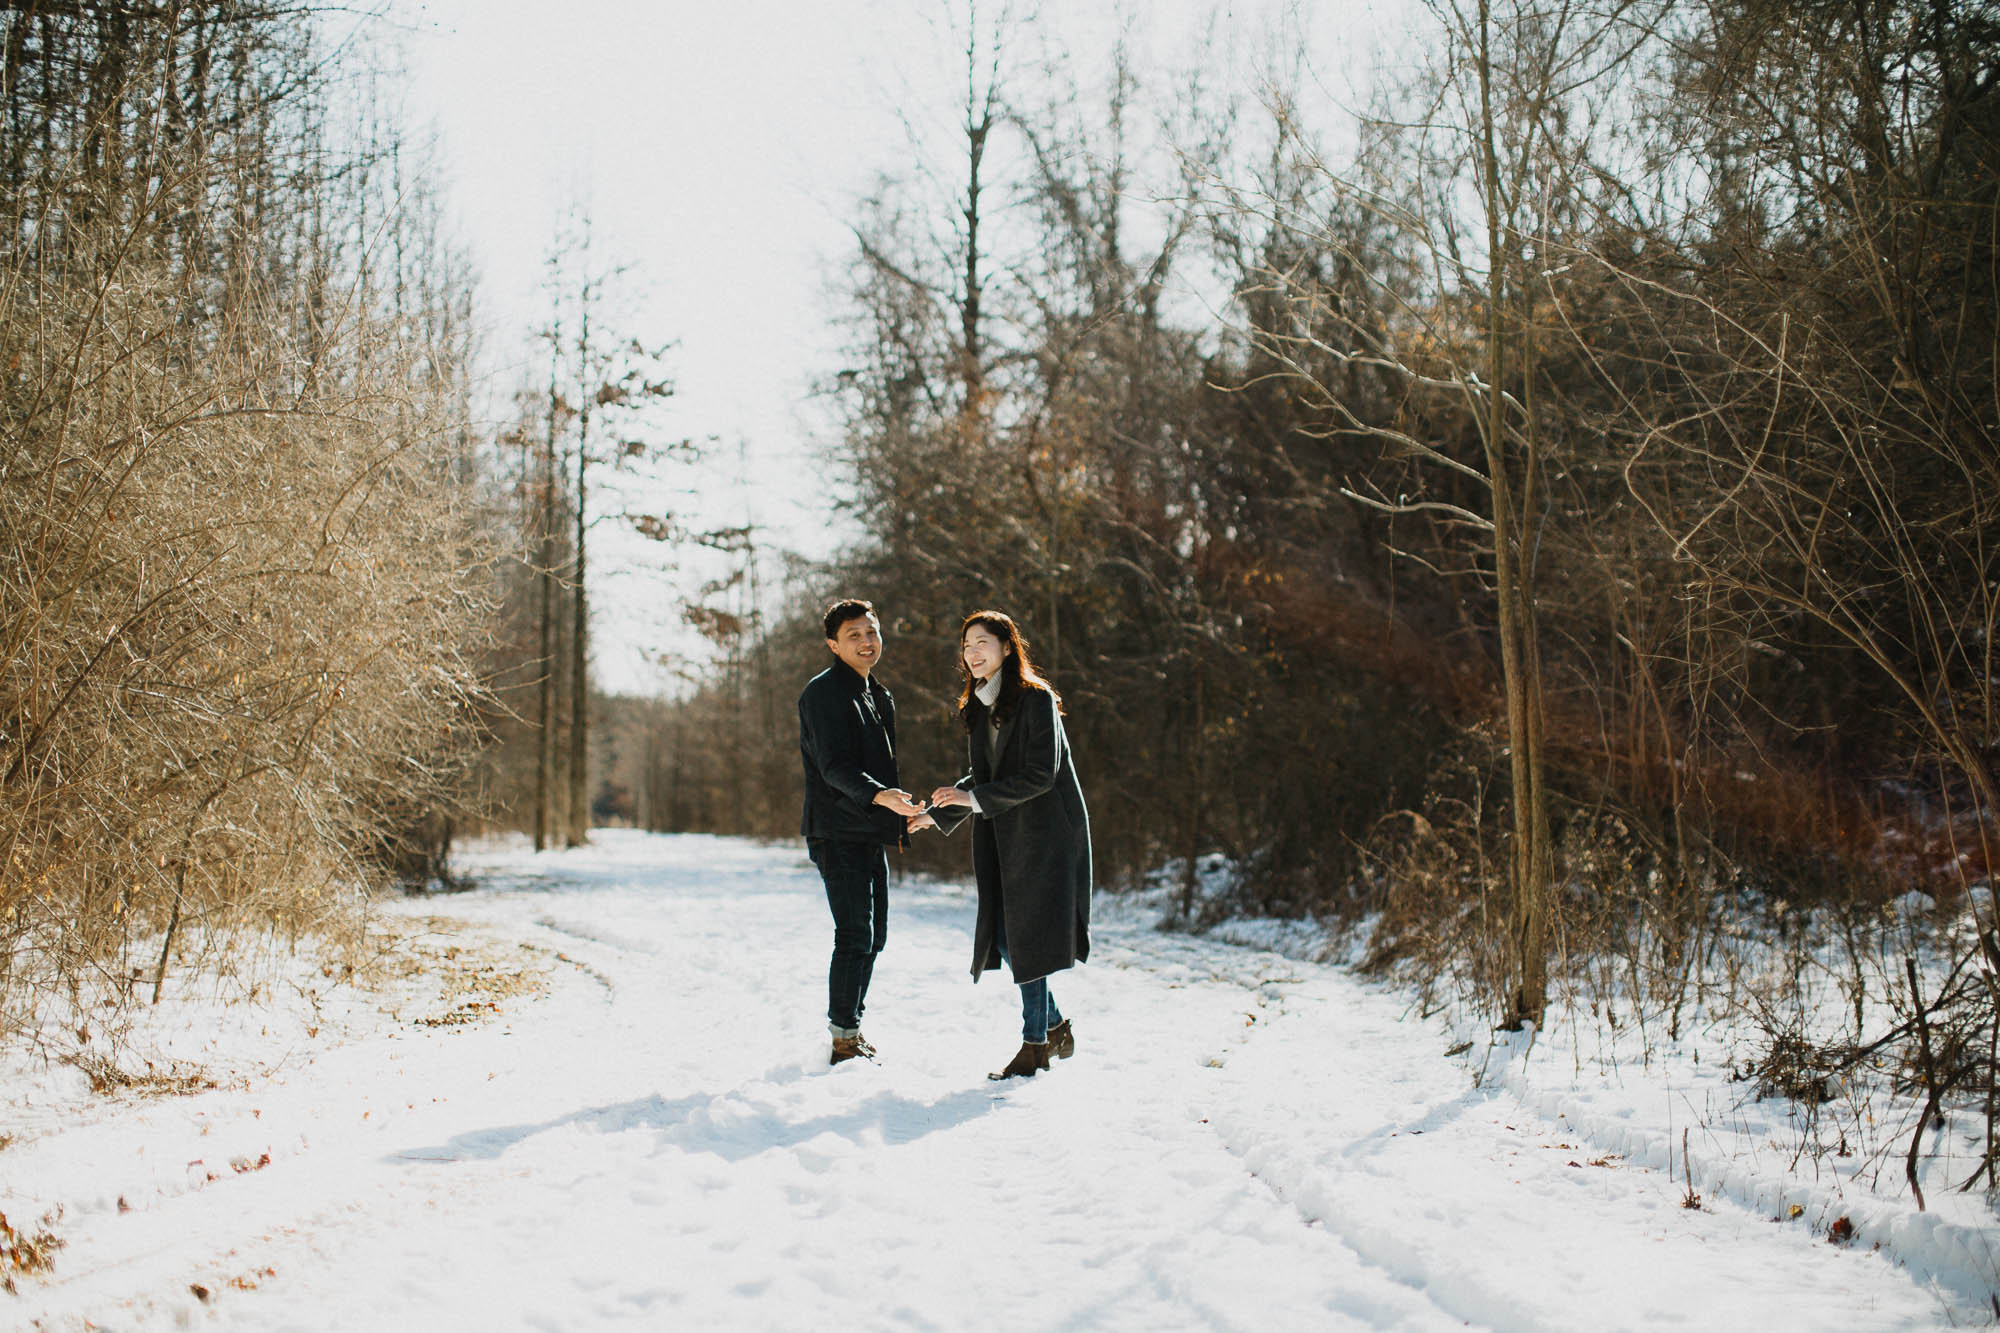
1030	844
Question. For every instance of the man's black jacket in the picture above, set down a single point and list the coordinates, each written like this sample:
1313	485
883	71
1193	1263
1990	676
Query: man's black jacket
847	743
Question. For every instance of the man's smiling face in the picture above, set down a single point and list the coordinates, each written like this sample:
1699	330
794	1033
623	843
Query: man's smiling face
858	642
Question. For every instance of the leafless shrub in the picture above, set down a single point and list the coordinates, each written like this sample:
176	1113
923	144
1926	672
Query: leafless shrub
1806	1071
1437	894
234	565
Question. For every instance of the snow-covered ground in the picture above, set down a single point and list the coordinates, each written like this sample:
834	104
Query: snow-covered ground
615	1112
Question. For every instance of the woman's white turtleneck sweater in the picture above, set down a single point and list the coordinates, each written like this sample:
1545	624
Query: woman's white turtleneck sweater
988	692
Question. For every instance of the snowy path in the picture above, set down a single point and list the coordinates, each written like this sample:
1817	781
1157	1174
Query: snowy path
1243	1141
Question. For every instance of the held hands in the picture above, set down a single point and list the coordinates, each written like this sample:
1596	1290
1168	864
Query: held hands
900	801
943	796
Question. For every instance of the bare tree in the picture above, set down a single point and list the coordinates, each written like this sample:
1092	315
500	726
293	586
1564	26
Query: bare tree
558	413
596	409
1502	131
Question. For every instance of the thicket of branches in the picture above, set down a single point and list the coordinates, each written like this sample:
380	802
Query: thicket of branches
235	459
1573	539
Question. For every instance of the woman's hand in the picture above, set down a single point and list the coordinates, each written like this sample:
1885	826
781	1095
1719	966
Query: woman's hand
916	823
952	796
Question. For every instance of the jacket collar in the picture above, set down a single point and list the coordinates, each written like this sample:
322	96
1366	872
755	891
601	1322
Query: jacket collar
853	680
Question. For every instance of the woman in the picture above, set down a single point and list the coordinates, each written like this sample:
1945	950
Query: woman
1030	830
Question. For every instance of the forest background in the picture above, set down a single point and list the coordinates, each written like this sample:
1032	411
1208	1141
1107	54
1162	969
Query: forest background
1543	525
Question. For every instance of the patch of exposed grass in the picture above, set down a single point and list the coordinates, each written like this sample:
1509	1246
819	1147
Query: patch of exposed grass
107	1077
473	976
27	1253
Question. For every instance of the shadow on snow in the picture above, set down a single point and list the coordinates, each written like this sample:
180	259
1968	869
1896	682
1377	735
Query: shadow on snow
725	1125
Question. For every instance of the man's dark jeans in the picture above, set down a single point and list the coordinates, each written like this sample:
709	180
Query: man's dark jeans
857	889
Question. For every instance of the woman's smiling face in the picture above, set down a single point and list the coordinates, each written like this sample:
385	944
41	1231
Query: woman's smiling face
984	651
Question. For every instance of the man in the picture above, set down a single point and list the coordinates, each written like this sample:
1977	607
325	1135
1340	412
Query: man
853	809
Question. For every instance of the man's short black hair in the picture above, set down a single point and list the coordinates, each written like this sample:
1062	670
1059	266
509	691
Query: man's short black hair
848	608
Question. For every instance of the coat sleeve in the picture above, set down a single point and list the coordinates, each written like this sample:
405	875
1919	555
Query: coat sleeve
1040	734
828	737
949	817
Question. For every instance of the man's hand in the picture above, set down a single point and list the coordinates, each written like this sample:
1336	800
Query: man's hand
917	823
900	801
951	796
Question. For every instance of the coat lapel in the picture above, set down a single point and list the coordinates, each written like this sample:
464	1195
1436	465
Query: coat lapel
982	764
874	714
1006	735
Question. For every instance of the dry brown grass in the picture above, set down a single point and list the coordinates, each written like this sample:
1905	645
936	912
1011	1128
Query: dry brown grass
455	975
27	1253
107	1077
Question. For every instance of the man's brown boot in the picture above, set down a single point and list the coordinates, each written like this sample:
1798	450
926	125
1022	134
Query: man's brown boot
1062	1041
1031	1057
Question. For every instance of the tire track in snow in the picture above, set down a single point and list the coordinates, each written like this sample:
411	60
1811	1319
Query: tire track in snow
1267	981
1332	1108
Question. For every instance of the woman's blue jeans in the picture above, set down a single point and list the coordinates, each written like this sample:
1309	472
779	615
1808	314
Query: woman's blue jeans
1038	1007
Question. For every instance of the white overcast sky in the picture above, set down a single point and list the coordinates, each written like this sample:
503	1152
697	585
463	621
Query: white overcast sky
720	146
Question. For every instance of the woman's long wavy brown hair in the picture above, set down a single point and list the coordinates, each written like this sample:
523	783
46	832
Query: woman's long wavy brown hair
1017	671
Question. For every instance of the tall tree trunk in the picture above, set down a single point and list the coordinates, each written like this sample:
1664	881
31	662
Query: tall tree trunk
978	124
545	761
1519	662
579	672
